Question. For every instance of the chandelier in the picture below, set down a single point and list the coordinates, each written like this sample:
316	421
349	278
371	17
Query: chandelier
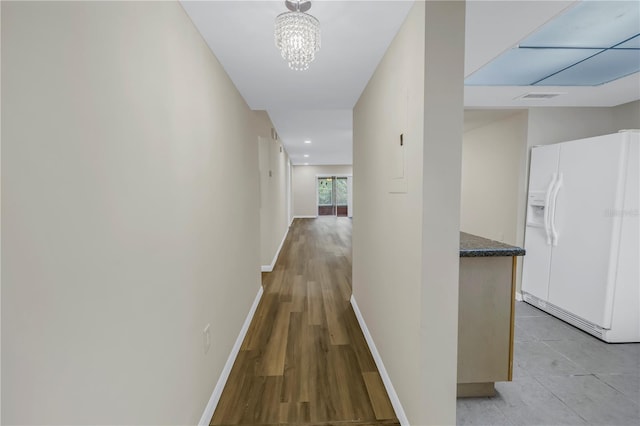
297	34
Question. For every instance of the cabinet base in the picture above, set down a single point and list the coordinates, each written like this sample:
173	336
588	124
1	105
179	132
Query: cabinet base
473	390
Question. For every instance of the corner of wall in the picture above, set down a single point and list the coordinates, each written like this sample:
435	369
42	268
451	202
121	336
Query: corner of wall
392	226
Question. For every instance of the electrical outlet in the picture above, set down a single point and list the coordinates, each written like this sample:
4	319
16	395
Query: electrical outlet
206	333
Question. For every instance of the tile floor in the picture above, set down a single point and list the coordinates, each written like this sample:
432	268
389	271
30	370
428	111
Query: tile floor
561	376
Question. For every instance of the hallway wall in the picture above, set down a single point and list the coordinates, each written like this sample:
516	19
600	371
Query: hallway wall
129	214
407	198
274	190
304	181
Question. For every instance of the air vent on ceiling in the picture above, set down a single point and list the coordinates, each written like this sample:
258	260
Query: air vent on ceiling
539	96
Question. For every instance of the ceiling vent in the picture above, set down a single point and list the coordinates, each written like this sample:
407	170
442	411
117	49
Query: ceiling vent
539	96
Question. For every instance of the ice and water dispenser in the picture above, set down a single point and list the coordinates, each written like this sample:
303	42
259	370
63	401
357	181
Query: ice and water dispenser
535	209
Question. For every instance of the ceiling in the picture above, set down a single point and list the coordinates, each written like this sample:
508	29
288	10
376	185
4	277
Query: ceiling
493	27
311	105
317	104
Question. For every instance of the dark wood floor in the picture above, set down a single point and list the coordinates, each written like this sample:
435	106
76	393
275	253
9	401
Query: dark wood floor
304	360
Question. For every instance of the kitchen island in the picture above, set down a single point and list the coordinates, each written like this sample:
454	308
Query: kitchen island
486	309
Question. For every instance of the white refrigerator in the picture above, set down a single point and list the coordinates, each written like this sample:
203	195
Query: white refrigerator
582	235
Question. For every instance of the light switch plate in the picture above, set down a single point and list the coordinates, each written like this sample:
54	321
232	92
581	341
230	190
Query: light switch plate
207	338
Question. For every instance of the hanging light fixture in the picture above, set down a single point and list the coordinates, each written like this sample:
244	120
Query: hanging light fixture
297	34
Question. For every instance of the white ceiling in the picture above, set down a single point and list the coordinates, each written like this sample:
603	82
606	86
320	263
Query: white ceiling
330	132
311	105
316	104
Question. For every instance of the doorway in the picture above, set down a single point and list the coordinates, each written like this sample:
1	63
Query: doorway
333	196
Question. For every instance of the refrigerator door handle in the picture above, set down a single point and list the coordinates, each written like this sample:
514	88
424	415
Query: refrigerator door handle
552	213
547	208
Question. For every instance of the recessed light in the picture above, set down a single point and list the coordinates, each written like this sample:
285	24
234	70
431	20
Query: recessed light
306	156
307	141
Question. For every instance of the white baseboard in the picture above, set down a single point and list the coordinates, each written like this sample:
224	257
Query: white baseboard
269	268
393	396
306	217
222	380
519	296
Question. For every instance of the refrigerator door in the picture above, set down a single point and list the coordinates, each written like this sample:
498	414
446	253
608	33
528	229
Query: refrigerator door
536	263
591	172
625	322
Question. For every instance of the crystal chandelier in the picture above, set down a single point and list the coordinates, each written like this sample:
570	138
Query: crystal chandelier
297	35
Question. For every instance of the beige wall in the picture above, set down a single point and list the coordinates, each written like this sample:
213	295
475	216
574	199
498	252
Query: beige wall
0	226
274	190
553	125
304	186
405	231
442	159
627	116
492	157
129	214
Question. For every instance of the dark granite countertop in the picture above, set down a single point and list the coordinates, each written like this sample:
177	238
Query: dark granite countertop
474	246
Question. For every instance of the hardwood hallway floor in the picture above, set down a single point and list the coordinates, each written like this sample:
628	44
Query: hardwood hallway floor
304	360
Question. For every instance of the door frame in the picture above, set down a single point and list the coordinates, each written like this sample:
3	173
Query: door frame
349	177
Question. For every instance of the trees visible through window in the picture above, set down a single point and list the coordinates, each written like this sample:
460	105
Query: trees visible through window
341	191
333	195
325	191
